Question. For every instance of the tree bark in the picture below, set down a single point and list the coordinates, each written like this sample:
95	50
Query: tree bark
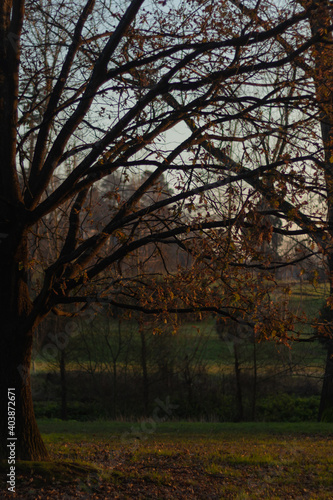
326	399
15	376
63	378
320	19
254	387
239	396
15	356
145	381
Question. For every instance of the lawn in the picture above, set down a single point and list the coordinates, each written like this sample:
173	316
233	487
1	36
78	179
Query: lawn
181	460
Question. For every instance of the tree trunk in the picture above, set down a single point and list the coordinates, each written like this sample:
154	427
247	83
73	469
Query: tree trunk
114	409
20	430
15	377
326	400
63	378
320	18
254	387
239	396
144	369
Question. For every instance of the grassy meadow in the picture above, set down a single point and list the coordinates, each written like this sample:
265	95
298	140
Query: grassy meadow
181	460
282	454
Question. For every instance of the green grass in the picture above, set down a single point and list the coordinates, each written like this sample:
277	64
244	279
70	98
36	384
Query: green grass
59	430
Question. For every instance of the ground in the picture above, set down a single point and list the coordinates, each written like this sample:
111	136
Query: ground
180	460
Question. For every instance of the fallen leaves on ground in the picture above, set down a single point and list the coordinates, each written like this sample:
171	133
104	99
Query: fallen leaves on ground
182	469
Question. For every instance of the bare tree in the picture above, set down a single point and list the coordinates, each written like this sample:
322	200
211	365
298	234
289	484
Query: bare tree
89	89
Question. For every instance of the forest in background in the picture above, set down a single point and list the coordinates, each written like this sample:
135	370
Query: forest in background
116	368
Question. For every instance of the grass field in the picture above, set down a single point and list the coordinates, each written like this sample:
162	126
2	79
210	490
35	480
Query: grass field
181	460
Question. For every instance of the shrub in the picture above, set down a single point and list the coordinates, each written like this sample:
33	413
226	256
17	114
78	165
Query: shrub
287	408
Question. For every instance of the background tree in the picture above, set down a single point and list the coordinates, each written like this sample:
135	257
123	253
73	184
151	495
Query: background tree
301	194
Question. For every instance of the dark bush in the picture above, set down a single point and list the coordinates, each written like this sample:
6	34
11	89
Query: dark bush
287	408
